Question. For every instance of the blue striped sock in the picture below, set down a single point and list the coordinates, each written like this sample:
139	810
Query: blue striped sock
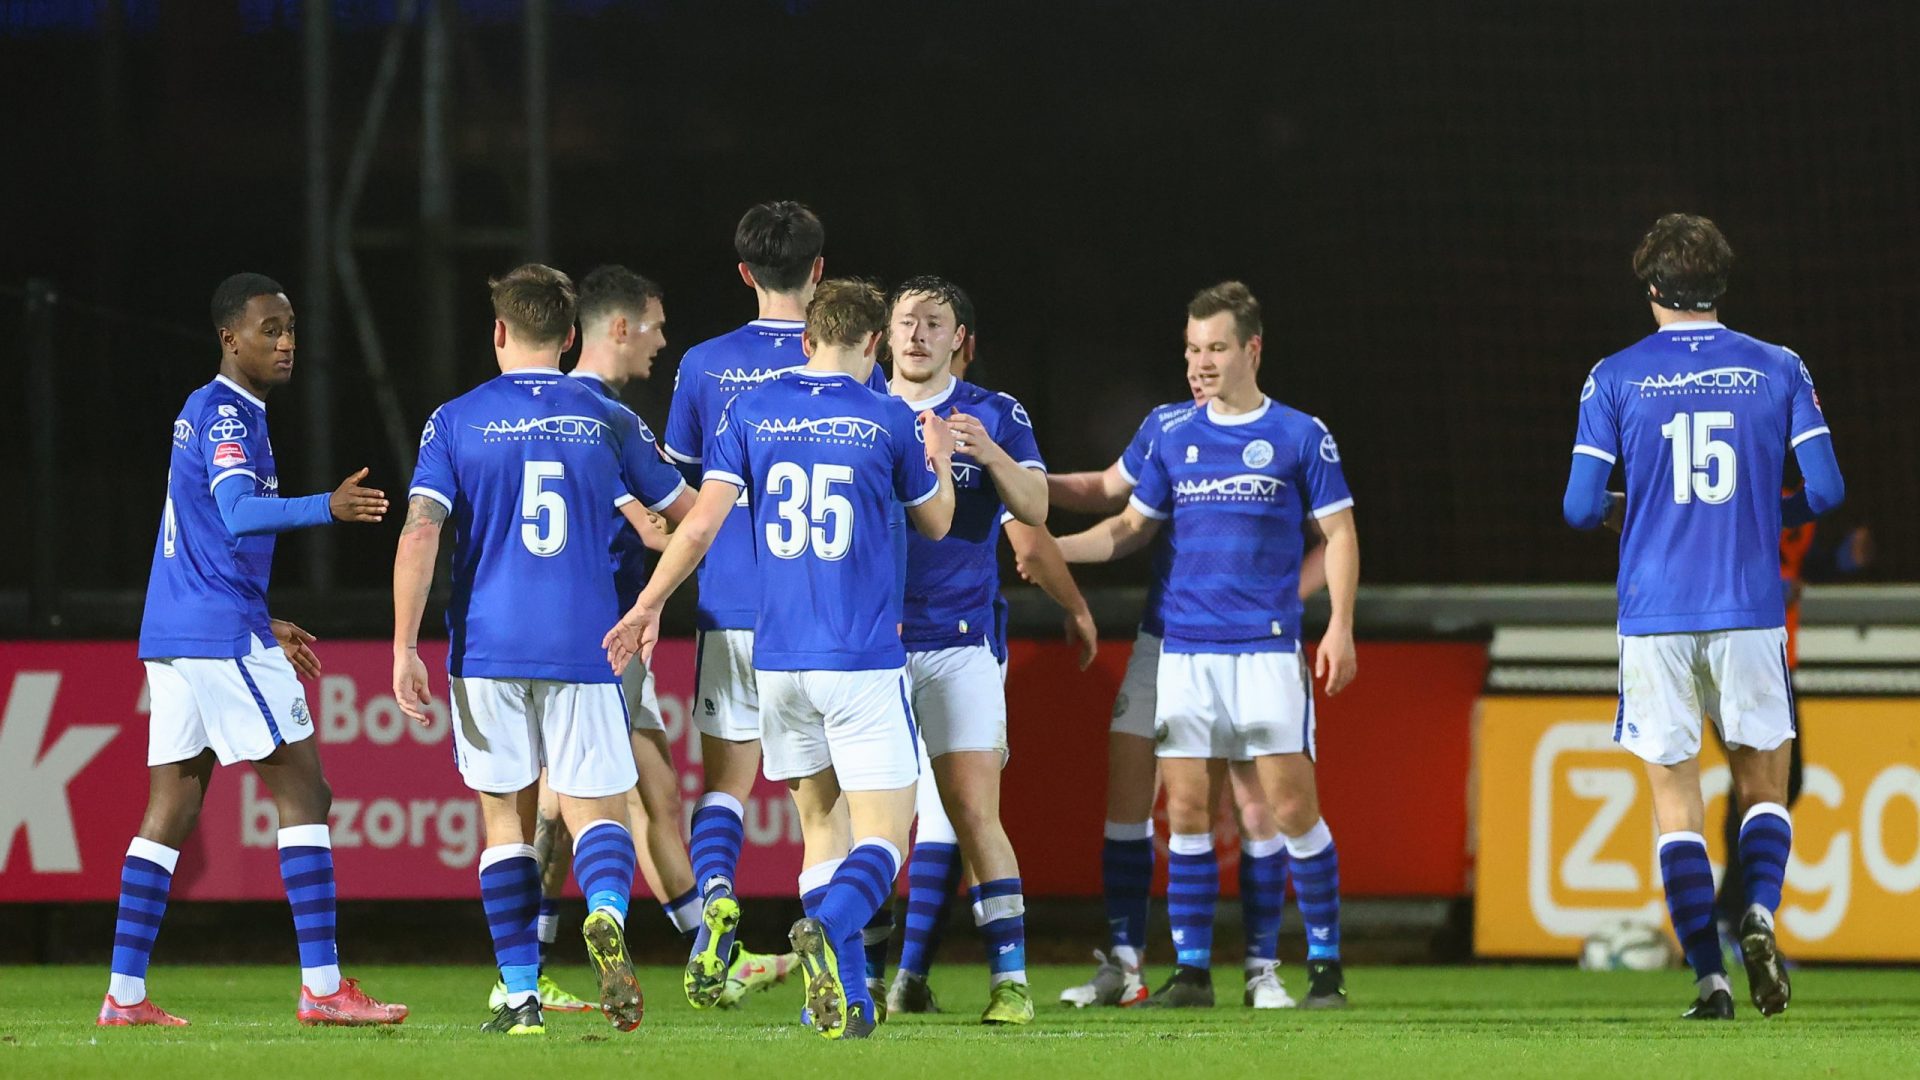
861	884
145	879
1315	866
719	828
683	912
1263	895
1766	838
306	868
603	864
933	872
816	882
1689	881
1126	879
510	892
1193	884
1000	911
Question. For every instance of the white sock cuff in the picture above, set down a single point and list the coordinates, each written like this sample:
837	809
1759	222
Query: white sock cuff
1260	849
885	845
818	875
159	854
504	852
722	800
1312	842
1130	830
1679	838
1190	843
995	908
1773	808
306	836
595	824
935	830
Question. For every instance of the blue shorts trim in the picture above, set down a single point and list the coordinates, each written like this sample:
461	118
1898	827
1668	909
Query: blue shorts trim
260	700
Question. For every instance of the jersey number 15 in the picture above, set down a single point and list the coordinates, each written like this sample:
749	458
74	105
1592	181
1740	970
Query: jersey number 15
1703	466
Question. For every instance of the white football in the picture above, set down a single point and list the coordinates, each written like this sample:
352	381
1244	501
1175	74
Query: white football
1629	946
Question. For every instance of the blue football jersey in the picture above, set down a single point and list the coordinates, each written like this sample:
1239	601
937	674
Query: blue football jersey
826	464
1700	419
710	374
1133	461
533	466
1235	489
207	593
629	552
952	582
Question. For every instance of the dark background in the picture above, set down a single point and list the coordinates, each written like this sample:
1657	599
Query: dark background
1435	202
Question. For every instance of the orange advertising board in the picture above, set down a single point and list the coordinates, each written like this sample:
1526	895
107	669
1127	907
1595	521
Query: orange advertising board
1566	835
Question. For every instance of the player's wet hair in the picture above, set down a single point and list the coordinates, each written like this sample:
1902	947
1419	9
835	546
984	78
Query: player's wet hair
1228	296
536	302
607	291
230	297
940	291
844	311
1683	262
779	241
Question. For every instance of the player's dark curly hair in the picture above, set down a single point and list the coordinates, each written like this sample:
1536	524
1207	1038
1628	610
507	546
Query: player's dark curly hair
230	297
779	241
1683	262
610	290
940	291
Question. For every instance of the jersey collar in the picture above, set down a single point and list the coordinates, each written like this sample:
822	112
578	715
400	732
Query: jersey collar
1241	418
938	399
242	391
532	371
578	374
778	324
1696	324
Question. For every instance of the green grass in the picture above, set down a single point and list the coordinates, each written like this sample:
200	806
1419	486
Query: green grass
1405	1022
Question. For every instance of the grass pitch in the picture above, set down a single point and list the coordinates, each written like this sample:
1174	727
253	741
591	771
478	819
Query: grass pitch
1405	1022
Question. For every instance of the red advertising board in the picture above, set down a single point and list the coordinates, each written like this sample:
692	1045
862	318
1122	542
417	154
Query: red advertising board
1393	756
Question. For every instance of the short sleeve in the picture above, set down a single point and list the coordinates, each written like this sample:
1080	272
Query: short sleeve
648	478
686	440
1322	479
1133	460
1807	420
726	457
231	443
914	480
1152	489
1598	434
433	468
1016	435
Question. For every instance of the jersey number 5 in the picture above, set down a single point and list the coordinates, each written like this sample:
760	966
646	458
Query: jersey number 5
1703	466
826	525
543	511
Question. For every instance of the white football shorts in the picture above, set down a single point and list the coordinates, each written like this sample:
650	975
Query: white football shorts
959	697
643	704
1233	706
242	709
726	697
1133	707
858	723
504	730
1736	678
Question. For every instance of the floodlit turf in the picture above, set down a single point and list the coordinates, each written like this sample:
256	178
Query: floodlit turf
1405	1022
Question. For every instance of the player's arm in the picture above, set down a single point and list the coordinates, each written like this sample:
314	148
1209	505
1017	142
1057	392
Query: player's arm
298	645
1824	488
1587	502
639	628
1021	481
1313	568
1103	492
932	513
1038	559
1114	538
1335	662
654	530
413	564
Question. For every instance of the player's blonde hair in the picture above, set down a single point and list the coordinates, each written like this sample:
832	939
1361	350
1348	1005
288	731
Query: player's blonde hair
845	311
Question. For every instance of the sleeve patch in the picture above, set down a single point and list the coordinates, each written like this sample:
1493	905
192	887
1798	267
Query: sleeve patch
228	454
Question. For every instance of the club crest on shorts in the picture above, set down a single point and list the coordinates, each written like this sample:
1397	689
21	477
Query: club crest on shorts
300	712
1258	454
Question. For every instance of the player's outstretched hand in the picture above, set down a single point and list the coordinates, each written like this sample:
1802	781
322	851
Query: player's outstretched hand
410	684
1080	629
634	635
351	502
1335	661
970	437
937	434
296	643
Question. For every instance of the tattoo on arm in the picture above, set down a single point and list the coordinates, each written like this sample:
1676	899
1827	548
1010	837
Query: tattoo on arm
422	512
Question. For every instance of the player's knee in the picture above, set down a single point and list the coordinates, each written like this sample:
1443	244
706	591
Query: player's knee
1295	814
170	825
